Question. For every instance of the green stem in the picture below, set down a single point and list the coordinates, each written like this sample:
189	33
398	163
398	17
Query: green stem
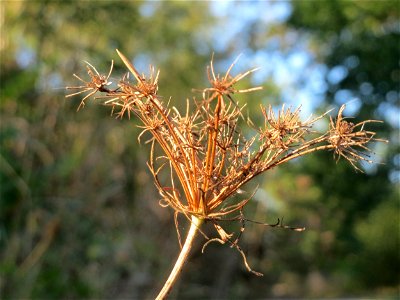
195	223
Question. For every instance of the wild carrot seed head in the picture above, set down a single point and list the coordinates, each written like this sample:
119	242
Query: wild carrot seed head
207	156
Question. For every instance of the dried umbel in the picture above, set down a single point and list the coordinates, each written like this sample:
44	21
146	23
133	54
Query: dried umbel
207	156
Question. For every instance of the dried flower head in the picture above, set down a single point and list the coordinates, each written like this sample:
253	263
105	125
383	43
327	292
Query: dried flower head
97	83
205	153
224	85
349	140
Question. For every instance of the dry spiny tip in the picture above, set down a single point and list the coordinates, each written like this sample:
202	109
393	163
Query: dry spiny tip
349	140
129	96
97	83
148	87
224	85
284	129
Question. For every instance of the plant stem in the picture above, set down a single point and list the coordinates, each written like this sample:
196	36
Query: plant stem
195	223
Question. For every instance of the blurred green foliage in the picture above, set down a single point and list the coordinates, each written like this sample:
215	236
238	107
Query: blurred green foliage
361	37
79	215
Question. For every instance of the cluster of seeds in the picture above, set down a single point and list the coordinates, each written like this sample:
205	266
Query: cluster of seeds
208	156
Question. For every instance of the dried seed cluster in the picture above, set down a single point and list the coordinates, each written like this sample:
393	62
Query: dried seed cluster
208	156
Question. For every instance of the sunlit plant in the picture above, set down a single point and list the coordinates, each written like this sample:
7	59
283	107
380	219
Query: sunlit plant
205	151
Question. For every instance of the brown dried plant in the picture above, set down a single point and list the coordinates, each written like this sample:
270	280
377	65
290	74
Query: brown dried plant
207	156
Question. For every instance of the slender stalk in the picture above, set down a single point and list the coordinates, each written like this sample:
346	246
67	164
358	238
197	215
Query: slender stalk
195	223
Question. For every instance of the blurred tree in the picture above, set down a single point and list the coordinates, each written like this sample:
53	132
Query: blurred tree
359	43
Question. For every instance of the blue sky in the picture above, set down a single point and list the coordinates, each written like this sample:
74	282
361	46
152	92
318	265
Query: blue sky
288	60
292	66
